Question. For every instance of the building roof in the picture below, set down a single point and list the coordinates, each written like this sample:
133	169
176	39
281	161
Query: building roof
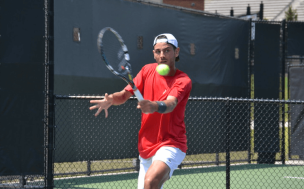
273	9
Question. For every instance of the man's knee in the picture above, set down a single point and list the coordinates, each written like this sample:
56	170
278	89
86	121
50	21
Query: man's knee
152	181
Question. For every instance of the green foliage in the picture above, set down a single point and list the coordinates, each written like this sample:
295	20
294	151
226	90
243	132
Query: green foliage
291	14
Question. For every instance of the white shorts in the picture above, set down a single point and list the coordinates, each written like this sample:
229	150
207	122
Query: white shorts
171	156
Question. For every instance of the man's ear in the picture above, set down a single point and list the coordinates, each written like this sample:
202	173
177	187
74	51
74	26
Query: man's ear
177	51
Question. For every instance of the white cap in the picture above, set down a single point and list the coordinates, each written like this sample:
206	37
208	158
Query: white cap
170	39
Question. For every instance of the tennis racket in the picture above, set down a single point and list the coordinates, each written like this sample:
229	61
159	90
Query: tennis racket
115	55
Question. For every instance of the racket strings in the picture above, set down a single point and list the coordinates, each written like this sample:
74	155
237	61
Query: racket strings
115	54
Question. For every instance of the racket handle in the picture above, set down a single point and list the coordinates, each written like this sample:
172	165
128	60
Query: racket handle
138	94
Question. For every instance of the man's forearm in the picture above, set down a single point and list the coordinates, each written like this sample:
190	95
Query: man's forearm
121	97
168	105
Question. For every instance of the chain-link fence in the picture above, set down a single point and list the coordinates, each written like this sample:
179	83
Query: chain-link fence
232	143
22	181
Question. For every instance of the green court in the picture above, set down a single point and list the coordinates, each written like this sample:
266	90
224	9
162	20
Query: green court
241	176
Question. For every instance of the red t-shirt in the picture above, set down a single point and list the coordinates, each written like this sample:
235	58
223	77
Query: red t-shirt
157	129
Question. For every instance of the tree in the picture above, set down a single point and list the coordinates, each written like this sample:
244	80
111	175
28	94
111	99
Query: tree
291	14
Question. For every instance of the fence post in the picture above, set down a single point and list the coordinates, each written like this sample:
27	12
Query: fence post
89	170
250	55
217	159
228	130
231	12
50	142
261	13
283	90
22	181
50	98
248	10
137	167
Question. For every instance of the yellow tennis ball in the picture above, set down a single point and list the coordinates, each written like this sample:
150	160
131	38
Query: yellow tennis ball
162	69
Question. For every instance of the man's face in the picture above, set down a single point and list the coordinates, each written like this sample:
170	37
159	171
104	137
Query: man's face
164	53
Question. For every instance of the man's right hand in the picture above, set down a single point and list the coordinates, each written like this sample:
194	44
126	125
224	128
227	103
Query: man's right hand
103	104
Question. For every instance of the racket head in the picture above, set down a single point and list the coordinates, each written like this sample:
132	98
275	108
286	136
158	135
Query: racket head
115	54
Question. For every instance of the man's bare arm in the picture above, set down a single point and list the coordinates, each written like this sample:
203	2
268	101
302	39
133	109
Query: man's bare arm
109	100
120	97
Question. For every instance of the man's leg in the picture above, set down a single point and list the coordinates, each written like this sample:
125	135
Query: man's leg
164	162
156	175
144	166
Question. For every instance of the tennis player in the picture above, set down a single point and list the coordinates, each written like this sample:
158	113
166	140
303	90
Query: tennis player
162	141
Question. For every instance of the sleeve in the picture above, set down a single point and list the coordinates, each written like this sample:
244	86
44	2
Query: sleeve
138	81
181	89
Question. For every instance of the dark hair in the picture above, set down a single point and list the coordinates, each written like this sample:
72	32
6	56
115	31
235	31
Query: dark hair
164	37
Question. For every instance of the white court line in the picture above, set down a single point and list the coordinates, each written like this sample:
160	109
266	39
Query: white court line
294	177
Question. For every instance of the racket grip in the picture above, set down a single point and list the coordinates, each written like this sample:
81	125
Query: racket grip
138	94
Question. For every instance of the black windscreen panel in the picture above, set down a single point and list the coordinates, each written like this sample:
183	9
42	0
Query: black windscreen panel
295	47
214	51
266	85
295	39
296	91
21	87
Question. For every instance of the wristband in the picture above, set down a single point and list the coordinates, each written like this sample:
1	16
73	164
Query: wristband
161	107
